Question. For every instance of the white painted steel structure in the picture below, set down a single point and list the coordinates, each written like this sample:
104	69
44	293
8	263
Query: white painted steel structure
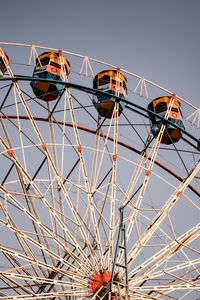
65	172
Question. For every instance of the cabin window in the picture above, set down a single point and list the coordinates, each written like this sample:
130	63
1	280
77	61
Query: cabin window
175	109
179	123
44	61
160	107
2	66
121	83
124	86
42	74
95	83
104	79
115	82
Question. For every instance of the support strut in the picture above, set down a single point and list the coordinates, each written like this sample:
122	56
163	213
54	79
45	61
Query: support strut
120	247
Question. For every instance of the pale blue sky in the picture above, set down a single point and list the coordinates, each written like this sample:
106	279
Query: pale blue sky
156	39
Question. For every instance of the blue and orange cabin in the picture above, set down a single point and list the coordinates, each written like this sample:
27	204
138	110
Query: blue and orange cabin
3	63
114	83
50	65
159	106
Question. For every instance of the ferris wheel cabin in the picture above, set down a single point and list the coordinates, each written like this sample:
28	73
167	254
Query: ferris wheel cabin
50	65
160	106
114	83
3	67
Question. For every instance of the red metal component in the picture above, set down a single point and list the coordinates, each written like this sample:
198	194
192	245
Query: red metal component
99	284
114	157
44	147
148	173
173	96
10	153
178	194
79	149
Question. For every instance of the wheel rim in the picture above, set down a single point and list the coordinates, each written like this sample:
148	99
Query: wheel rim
61	191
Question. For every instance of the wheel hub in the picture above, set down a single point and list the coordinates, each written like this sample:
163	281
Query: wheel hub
99	284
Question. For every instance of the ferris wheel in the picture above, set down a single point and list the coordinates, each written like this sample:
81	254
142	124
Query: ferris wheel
99	181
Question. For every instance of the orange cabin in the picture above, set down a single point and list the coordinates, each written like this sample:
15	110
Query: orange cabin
4	60
114	83
159	106
50	65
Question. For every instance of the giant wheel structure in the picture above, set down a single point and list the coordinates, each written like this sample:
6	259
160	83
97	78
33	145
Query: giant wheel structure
94	207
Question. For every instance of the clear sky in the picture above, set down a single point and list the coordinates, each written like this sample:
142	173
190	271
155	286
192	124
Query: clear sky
156	39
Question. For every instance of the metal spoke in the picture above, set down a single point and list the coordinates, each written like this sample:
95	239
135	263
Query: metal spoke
95	205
